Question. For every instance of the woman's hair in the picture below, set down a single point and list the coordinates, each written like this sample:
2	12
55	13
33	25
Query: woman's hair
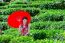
24	18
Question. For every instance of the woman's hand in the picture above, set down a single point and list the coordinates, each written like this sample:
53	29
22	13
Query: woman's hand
29	27
20	28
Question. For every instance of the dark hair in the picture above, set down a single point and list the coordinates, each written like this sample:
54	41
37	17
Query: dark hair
24	18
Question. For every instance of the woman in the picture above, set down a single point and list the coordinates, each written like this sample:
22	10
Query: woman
24	27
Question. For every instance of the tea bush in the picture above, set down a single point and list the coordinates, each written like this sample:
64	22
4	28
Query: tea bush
17	2
32	11
52	15
40	25
8	0
48	25
12	36
5	38
54	5
50	34
17	6
22	39
4	25
34	19
3	4
49	41
11	39
3	19
39	35
11	31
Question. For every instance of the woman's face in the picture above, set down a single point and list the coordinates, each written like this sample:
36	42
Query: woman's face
24	21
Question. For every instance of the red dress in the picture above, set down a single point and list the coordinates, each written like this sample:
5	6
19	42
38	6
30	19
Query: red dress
25	30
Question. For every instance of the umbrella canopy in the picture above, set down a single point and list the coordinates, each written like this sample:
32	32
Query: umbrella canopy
14	19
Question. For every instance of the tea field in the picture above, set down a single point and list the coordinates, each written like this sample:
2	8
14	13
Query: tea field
47	24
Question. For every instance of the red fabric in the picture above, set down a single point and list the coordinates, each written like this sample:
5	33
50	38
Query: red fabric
14	20
24	30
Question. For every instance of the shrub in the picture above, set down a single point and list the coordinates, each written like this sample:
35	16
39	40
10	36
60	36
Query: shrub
22	39
49	41
4	3
4	25
1	26
8	11
3	7
8	0
54	5
17	6
3	18
51	15
34	19
40	25
50	34
32	11
19	2
48	25
11	31
39	35
5	38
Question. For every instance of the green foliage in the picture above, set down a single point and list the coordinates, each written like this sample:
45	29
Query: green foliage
11	39
17	2
52	15
4	25
22	39
50	34
5	38
32	11
3	4
48	25
17	6
39	35
8	11
54	5
49	41
3	7
12	36
40	25
8	0
12	31
3	19
34	19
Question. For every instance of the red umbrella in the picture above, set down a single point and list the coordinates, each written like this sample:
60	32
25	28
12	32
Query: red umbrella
14	20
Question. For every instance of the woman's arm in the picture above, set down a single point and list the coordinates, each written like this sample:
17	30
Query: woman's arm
20	28
29	27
